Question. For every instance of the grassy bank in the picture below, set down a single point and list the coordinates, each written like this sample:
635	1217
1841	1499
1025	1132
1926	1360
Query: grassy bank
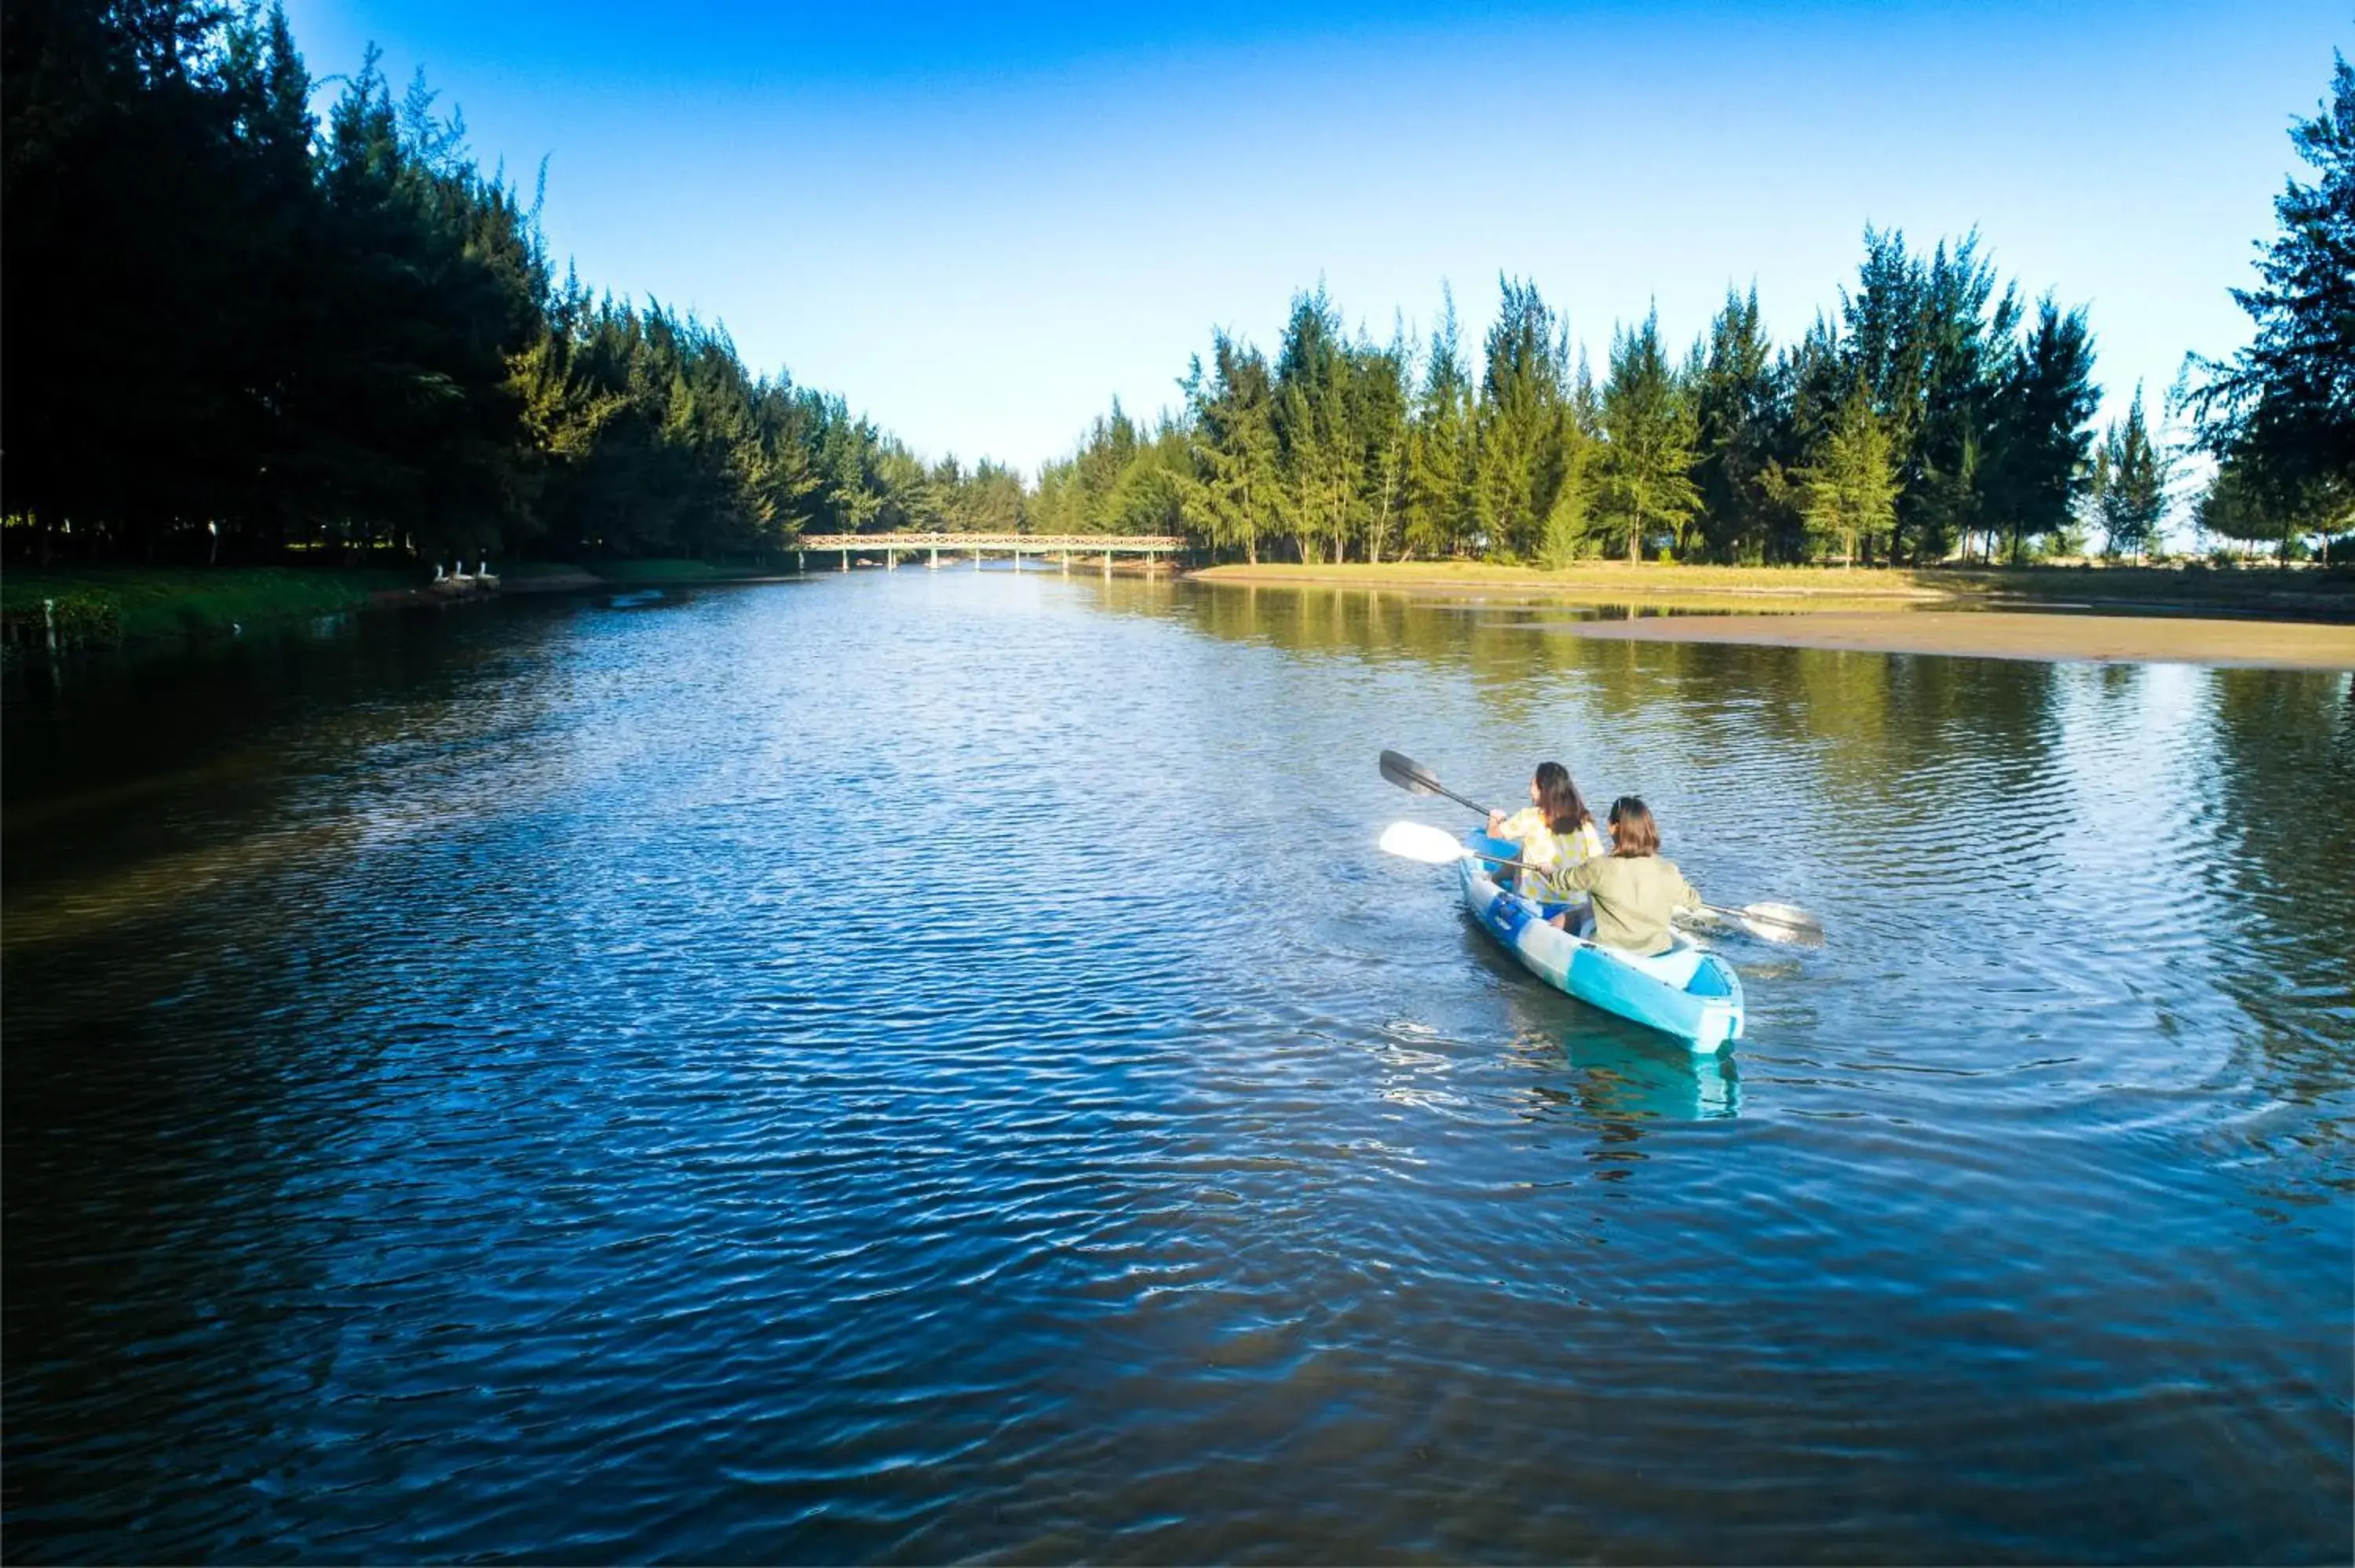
2266	592
149	603
102	605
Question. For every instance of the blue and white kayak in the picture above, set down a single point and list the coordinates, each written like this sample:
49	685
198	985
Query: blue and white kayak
1687	992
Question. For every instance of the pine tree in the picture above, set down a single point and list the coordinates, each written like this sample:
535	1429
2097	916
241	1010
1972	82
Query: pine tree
1649	433
1849	492
2281	413
1380	381
1048	507
1966	322
1438	501
1526	443
1738	402
2129	488
1159	490
1234	448
1312	502
2097	498
1887	349
2040	439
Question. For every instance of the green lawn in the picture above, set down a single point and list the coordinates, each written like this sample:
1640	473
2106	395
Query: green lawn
152	602
102	603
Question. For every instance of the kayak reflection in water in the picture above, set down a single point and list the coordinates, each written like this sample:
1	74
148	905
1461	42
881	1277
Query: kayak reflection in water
1634	889
1555	831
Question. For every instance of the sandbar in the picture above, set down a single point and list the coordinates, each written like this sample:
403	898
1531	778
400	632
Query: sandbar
1997	634
2270	593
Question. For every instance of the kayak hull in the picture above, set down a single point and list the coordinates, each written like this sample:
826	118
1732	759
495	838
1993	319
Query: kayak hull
1687	992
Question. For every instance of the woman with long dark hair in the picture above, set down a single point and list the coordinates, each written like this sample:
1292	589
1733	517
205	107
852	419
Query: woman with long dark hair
1554	831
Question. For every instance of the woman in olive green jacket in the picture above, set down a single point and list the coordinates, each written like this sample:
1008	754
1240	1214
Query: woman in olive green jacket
1634	890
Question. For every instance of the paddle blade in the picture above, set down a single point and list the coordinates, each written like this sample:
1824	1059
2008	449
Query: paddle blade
1409	775
1782	923
1419	841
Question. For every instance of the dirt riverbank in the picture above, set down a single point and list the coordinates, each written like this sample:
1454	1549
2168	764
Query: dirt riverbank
2266	592
1997	634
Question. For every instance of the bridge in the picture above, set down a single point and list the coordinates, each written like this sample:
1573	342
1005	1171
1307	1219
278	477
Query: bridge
1063	547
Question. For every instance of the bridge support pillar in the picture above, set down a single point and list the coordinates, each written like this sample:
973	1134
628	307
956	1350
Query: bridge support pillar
890	560
936	556
799	564
846	560
1107	563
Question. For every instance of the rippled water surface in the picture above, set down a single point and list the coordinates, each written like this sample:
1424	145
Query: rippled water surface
927	1065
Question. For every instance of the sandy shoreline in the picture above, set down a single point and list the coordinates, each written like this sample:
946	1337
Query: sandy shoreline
1998	634
2271	593
2140	615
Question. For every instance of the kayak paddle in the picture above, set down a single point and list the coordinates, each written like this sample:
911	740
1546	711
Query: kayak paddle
1420	840
1415	779
1432	846
1767	922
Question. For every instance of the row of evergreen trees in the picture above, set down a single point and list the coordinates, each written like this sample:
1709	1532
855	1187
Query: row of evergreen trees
1934	414
230	327
1931	413
231	330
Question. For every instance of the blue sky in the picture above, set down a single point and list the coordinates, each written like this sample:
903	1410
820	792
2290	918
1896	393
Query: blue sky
981	226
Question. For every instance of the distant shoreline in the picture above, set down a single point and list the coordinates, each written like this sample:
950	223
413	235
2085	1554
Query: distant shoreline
2003	634
1613	582
2289	620
2296	621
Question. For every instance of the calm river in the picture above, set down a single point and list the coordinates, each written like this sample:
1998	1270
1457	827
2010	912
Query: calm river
932	1066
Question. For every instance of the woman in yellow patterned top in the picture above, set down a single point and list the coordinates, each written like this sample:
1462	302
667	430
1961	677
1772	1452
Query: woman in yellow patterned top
1555	831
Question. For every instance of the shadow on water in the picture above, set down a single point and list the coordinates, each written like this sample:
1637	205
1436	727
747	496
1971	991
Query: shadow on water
136	783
